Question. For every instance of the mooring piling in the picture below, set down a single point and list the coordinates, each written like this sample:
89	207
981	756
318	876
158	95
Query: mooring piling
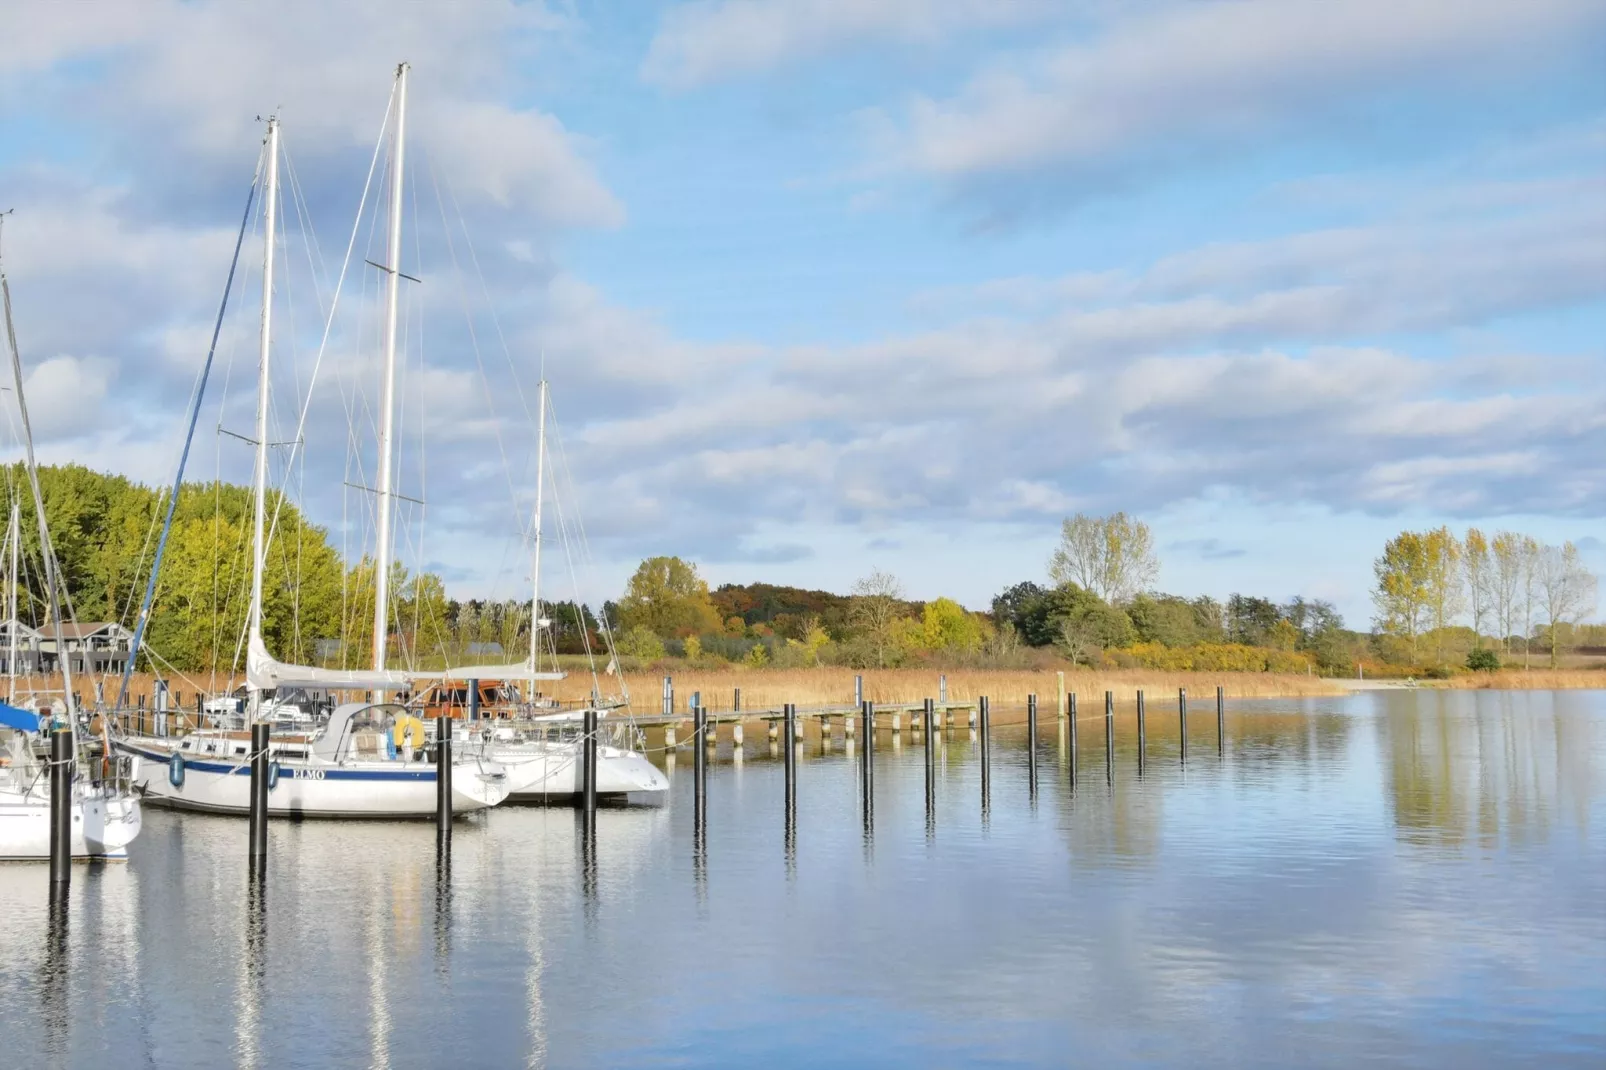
858	691
983	712
63	761
867	712
443	775
699	758
1142	737
260	731
590	771
1221	721
1070	721
1182	720
736	700
1109	736
789	713
473	700
1031	744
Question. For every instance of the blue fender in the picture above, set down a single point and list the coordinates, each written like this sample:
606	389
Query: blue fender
175	770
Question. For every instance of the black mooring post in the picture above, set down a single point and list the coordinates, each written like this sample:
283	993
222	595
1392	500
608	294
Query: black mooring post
1221	721
1031	744
699	767
1182	720
474	700
789	750
1143	744
867	722
1070	729
590	771
259	793
62	763
736	701
443	777
1109	735
984	717
930	710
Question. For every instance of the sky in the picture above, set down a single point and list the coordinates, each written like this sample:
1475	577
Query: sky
822	286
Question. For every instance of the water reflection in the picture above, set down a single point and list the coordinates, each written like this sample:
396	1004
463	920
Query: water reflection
1411	878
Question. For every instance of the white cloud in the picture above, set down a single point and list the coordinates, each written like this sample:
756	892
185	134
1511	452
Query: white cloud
1191	73
706	41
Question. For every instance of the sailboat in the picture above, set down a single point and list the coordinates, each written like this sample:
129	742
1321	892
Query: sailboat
517	736
368	758
105	812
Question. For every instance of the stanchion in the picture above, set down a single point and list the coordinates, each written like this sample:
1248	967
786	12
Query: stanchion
259	793
62	766
443	778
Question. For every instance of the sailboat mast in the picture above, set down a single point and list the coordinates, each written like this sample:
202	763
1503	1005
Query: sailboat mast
387	418
535	564
259	552
39	511
14	538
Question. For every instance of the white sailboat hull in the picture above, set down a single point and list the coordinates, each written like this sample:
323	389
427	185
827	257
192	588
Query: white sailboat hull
545	771
309	788
102	827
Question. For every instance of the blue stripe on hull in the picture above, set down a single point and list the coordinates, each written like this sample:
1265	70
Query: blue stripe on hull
329	772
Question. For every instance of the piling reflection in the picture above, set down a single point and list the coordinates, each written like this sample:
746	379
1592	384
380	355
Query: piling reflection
253	969
54	976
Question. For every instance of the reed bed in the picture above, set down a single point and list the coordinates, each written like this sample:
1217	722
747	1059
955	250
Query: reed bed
1530	680
769	688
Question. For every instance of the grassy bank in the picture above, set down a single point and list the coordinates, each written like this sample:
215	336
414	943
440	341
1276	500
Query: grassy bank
1528	680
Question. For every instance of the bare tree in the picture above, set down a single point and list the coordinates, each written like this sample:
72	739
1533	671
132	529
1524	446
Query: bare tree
1530	552
1567	590
876	606
1479	574
1506	583
1111	556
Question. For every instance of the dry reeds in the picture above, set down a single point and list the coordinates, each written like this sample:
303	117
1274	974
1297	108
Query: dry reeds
769	688
1530	680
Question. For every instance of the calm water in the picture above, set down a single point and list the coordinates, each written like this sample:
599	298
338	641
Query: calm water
1406	879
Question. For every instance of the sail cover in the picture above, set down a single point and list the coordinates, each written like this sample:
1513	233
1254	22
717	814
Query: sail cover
522	670
263	673
21	720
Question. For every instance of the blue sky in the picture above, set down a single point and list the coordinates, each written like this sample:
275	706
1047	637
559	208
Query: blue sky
825	286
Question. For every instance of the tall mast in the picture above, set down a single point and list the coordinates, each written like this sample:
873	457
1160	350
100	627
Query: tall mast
387	412
535	565
39	511
14	538
259	552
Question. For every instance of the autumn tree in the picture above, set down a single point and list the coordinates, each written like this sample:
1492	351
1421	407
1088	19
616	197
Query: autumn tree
667	597
1529	553
1567	590
1478	572
875	608
1113	556
1402	591
1443	589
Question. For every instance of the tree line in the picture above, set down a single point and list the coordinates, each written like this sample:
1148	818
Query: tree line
1511	590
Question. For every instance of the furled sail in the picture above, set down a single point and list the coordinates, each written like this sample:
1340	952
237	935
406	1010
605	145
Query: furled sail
263	672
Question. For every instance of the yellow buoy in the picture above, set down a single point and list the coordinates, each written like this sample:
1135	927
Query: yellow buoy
408	732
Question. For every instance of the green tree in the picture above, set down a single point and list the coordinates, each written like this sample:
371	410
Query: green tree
667	597
1442	553
1164	619
1085	622
947	626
